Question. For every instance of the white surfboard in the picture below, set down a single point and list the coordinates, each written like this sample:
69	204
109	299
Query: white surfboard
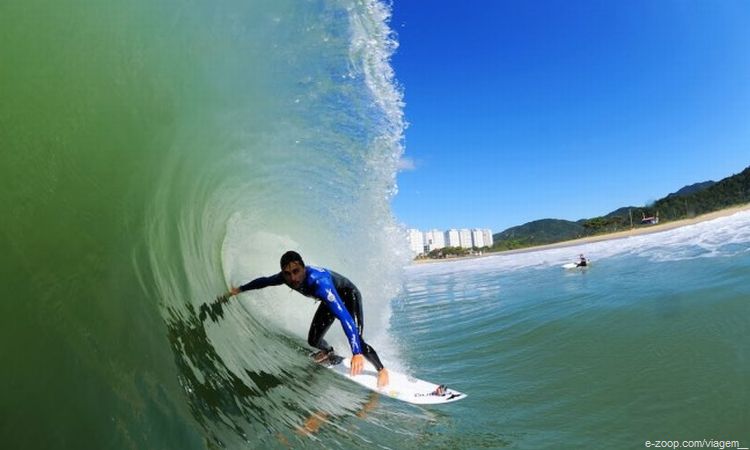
575	265
402	387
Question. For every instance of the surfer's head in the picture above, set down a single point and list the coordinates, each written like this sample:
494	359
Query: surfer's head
291	256
292	269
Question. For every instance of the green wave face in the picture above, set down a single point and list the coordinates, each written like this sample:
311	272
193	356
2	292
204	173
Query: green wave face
154	152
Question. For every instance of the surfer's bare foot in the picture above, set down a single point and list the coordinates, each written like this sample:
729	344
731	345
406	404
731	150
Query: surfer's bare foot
320	356
383	378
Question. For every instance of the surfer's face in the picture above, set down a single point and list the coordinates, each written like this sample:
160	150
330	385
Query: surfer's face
294	274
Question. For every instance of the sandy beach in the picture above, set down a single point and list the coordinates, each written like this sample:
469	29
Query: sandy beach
609	236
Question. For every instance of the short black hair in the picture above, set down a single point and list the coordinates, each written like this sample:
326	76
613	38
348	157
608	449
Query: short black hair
290	257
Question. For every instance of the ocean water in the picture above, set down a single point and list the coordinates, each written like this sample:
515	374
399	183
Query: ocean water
650	343
155	152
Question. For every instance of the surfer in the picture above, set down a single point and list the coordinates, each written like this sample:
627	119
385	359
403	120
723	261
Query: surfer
582	262
340	299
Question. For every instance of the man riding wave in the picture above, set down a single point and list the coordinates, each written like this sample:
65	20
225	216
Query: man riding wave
340	299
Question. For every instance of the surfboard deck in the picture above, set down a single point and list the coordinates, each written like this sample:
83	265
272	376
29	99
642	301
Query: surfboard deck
401	386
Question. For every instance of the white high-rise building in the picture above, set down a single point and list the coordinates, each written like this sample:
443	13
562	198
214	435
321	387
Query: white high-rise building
416	241
464	238
477	238
488	240
422	242
434	239
452	238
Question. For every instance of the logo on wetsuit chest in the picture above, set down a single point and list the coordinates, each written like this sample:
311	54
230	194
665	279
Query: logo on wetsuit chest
330	297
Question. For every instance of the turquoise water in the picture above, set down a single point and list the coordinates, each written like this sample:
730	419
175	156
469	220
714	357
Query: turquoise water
155	152
649	343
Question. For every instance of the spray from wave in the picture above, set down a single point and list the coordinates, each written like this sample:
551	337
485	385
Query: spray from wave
307	164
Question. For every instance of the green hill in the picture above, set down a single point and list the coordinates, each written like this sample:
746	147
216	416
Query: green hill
693	188
730	191
539	232
689	201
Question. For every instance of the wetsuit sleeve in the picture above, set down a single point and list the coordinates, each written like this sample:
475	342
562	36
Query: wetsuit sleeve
325	291
263	282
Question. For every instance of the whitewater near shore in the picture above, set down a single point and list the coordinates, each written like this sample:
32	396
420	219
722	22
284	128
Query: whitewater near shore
609	236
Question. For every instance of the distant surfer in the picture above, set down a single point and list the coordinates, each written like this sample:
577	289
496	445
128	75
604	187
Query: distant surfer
582	262
340	299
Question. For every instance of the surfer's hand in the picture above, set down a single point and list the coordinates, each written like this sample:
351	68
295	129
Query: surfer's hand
233	291
382	377
358	363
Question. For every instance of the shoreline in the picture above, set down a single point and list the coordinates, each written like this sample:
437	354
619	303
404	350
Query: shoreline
605	237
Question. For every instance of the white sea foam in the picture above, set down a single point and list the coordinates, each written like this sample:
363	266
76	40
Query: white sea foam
321	183
723	236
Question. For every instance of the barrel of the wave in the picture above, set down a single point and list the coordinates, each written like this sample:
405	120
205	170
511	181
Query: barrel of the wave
100	132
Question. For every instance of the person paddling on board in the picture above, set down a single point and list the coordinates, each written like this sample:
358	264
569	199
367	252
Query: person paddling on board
582	262
340	299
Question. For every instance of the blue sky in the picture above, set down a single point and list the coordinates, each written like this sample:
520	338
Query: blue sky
524	110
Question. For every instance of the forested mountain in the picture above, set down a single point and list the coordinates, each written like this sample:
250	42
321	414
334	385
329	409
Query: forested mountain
689	201
539	232
730	191
693	188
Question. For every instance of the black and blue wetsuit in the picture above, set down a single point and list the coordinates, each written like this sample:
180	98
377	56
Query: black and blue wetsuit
340	299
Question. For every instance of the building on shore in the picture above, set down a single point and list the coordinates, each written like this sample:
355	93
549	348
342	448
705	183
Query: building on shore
653	220
464	237
434	240
423	242
477	238
451	238
488	240
416	242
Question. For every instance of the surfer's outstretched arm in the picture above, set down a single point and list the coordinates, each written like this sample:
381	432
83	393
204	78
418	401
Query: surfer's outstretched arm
258	283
